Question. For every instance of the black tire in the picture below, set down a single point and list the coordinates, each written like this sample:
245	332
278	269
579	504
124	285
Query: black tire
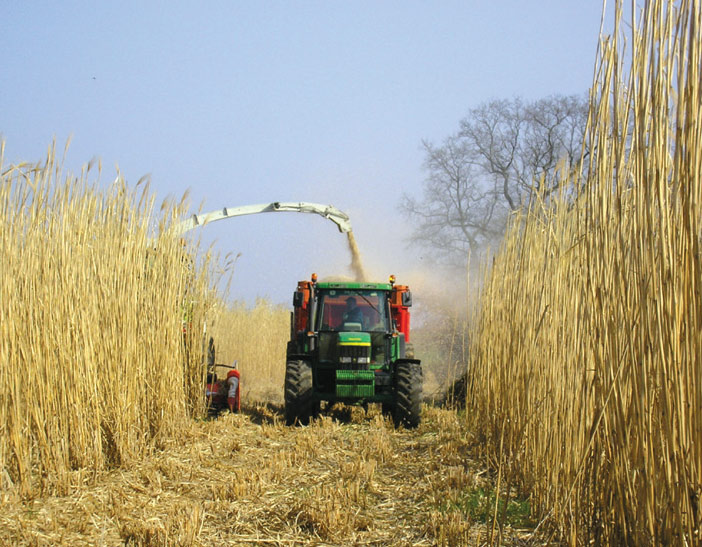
408	386
299	406
292	348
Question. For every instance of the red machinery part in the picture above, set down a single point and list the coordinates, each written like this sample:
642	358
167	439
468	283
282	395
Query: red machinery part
301	312
400	313
233	398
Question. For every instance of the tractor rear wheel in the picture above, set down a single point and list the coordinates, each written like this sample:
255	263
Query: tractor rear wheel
299	406
408	386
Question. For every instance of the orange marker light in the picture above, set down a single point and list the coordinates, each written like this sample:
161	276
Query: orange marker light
392	279
314	278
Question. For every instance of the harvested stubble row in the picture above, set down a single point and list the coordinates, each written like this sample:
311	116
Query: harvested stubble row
248	479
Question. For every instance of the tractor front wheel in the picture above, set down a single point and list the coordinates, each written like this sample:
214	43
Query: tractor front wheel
299	406
408	386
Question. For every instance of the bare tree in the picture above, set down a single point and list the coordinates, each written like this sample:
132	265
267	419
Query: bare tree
459	211
489	168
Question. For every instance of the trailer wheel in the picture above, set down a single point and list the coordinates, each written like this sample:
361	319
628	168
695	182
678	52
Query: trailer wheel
408	386
299	406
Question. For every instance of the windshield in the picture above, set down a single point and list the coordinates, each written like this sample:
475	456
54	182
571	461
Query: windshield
340	309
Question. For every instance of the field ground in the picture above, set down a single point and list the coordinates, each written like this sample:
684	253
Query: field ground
247	479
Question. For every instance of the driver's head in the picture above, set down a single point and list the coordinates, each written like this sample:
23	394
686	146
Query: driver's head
350	303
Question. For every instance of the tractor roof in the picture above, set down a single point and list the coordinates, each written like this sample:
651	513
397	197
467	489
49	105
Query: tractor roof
355	285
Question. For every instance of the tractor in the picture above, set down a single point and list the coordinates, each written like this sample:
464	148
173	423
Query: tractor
350	343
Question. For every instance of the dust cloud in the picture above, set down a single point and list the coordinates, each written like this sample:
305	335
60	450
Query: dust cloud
356	262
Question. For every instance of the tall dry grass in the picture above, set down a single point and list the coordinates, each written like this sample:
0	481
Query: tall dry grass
93	291
256	337
586	372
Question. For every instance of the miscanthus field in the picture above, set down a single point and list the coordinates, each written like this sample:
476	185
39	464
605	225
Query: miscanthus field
581	358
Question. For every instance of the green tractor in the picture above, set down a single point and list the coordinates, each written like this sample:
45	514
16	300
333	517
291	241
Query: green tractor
350	343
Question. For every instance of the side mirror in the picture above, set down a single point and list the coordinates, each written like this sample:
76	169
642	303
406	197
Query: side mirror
297	299
407	299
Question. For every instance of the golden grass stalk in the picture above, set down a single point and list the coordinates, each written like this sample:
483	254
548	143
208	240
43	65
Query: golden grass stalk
92	298
586	356
257	339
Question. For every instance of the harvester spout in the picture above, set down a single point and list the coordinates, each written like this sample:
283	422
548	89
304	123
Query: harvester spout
330	212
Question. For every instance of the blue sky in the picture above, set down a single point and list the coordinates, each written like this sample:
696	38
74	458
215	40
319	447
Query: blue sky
253	102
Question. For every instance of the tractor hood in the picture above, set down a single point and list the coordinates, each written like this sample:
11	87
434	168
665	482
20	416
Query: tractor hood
354	338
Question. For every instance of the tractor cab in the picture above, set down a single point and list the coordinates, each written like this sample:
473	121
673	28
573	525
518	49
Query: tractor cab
353	324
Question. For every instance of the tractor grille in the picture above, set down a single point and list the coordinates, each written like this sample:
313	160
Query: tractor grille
354	357
352	384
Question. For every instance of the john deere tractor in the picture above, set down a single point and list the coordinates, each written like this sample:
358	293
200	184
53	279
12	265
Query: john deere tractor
350	343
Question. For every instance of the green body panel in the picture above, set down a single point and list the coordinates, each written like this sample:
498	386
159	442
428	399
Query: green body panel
355	383
354	339
395	348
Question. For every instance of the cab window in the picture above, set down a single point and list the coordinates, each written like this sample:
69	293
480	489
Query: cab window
352	310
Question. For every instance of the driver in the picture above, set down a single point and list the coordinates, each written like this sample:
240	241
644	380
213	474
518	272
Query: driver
352	313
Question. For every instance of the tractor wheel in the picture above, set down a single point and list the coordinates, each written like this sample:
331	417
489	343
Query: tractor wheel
408	386
292	348
299	406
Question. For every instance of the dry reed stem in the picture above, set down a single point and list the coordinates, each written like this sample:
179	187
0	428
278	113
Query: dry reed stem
257	339
589	336
92	367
